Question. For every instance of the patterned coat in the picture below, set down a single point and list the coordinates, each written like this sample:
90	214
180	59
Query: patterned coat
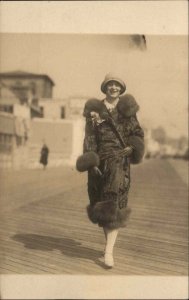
108	194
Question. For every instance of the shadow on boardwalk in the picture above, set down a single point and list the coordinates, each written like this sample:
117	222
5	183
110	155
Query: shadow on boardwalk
49	243
44	226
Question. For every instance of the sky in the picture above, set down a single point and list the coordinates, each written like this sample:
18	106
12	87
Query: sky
157	77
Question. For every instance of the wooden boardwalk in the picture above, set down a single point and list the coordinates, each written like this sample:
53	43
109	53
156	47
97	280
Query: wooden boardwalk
44	227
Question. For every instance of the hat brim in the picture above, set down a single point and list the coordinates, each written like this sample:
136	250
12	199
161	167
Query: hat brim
105	82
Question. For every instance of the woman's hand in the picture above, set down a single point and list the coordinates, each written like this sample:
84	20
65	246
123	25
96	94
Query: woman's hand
96	171
127	151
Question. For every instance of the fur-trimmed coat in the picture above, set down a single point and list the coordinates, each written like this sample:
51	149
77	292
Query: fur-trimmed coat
108	194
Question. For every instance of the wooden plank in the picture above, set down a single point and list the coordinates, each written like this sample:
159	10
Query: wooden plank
54	216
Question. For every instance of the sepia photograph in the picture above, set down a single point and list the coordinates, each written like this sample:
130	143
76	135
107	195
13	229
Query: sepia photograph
93	162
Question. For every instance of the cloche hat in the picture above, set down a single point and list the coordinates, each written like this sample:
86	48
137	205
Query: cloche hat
111	77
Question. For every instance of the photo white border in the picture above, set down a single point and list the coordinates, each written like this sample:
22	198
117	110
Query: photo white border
109	17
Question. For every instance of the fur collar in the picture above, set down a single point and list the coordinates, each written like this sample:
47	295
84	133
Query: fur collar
127	107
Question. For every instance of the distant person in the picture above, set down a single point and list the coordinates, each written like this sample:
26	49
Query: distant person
113	139
44	156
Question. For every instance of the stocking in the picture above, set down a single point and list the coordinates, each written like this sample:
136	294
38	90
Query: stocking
105	232
111	239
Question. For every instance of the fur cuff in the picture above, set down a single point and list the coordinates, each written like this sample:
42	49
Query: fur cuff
127	105
86	161
138	149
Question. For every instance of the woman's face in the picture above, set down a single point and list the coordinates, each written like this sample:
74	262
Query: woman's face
113	89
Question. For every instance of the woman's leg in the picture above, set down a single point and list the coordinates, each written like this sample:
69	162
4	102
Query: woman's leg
110	242
105	232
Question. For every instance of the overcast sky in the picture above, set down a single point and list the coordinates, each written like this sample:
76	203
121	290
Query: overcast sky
157	77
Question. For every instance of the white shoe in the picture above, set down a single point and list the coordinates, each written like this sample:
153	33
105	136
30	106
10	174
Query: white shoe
108	260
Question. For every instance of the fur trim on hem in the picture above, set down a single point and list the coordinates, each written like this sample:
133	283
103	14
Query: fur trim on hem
138	149
107	214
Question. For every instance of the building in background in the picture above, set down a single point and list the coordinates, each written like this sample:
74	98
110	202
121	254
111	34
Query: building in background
21	88
67	108
61	126
14	135
29	115
14	128
23	83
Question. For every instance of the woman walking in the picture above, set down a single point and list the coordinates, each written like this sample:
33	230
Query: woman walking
113	140
44	156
